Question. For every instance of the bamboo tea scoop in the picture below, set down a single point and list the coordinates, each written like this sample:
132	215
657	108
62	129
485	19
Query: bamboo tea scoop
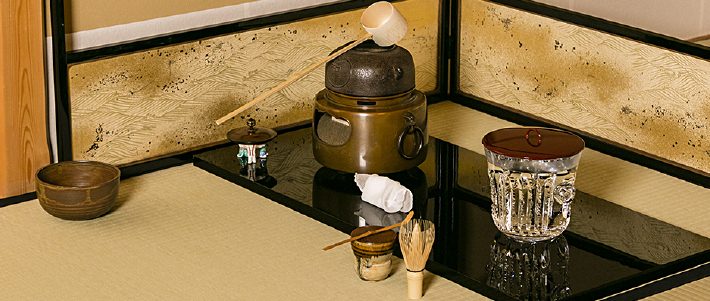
384	23
368	233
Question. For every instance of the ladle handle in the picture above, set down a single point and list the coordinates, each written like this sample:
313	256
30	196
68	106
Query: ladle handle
293	78
368	233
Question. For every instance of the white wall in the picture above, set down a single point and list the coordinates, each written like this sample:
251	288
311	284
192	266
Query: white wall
682	19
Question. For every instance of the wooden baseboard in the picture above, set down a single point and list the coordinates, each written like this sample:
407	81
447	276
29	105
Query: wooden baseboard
23	136
18	199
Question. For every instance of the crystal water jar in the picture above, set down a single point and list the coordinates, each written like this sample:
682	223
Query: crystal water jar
532	173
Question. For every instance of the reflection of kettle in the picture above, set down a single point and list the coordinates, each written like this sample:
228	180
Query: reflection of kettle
530	271
371	215
336	193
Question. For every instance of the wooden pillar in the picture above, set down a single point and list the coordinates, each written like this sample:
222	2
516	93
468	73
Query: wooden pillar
23	135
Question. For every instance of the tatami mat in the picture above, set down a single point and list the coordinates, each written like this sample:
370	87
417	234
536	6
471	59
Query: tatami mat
635	187
185	234
697	290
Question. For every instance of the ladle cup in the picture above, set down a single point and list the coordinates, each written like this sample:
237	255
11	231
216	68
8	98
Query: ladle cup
385	23
382	22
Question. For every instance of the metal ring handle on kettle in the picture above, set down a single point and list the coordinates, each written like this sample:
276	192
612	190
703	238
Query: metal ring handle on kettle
400	146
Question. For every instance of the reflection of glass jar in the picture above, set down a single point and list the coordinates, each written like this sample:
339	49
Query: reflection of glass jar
532	174
529	270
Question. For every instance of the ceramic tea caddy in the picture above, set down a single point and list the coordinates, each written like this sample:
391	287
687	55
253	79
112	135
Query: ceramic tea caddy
252	149
373	254
251	140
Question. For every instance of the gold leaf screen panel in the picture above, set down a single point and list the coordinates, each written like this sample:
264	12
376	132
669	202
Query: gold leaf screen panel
640	96
159	102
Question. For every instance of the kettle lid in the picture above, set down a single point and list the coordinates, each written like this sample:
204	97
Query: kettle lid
370	70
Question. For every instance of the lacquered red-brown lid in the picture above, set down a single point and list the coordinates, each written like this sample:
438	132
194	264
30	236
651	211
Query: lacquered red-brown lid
533	143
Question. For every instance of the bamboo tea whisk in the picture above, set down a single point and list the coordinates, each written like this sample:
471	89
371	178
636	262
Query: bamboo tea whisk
416	239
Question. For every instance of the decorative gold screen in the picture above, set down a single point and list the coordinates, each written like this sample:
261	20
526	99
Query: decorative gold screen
632	94
164	101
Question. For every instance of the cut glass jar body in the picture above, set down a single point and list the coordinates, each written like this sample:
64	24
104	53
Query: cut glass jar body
532	180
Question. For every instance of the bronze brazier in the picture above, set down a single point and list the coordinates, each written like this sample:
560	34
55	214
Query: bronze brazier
370	119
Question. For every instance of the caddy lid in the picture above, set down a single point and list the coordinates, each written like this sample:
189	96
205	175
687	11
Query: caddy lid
251	134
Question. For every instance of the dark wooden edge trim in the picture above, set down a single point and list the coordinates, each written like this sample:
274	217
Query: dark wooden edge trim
454	43
610	27
156	165
445	53
652	276
445	204
685	173
61	82
664	284
18	199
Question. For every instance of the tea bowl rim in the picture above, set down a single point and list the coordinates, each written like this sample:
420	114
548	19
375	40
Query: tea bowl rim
116	170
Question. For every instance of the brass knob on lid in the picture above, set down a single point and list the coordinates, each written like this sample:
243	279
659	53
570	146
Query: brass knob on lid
251	123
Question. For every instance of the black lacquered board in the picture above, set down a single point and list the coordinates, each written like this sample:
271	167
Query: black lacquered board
606	251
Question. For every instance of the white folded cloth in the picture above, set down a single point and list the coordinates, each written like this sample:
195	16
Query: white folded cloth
384	192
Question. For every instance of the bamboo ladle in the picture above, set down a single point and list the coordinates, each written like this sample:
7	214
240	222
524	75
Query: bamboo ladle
383	23
368	233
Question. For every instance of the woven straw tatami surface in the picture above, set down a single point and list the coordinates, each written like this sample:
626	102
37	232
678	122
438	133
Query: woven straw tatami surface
185	234
697	290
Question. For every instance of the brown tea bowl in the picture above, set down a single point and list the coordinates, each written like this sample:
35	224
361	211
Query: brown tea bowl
77	190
